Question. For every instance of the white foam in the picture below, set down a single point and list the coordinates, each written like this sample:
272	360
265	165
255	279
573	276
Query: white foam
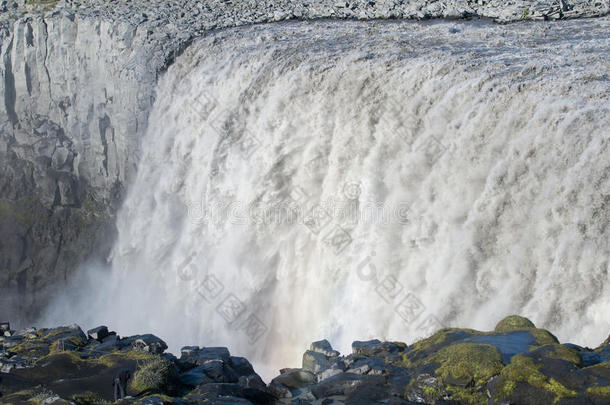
468	174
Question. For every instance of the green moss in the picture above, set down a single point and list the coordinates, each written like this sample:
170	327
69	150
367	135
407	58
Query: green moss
467	362
561	352
114	359
401	345
513	323
423	348
524	370
30	348
526	13
470	364
603	392
151	376
33	396
40	395
432	393
166	399
89	398
543	337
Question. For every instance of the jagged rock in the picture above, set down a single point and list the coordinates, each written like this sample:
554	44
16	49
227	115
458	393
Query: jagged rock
110	344
295	378
242	366
98	333
4	326
324	347
74	333
315	362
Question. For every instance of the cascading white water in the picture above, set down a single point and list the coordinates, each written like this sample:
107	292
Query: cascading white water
349	180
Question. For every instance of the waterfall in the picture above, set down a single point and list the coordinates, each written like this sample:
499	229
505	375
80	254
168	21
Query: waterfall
352	180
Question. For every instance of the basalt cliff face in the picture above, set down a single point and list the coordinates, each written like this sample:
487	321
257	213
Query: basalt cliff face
77	82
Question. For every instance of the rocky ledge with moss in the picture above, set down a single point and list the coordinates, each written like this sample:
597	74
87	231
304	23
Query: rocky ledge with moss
516	363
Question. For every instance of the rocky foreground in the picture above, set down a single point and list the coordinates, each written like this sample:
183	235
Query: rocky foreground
516	363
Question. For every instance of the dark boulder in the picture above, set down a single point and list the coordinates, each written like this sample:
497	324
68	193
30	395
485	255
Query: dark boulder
339	384
375	348
146	343
199	356
98	333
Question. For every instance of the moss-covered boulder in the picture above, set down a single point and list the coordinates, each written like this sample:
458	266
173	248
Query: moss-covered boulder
514	322
548	374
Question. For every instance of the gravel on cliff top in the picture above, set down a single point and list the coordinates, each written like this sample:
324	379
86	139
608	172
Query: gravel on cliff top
194	17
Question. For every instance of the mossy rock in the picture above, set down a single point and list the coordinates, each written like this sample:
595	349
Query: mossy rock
30	396
523	379
467	363
513	323
559	352
116	358
89	398
598	372
424	348
72	333
421	350
30	349
465	368
156	399
599	393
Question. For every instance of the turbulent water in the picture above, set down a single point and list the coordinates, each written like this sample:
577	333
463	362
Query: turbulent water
349	180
